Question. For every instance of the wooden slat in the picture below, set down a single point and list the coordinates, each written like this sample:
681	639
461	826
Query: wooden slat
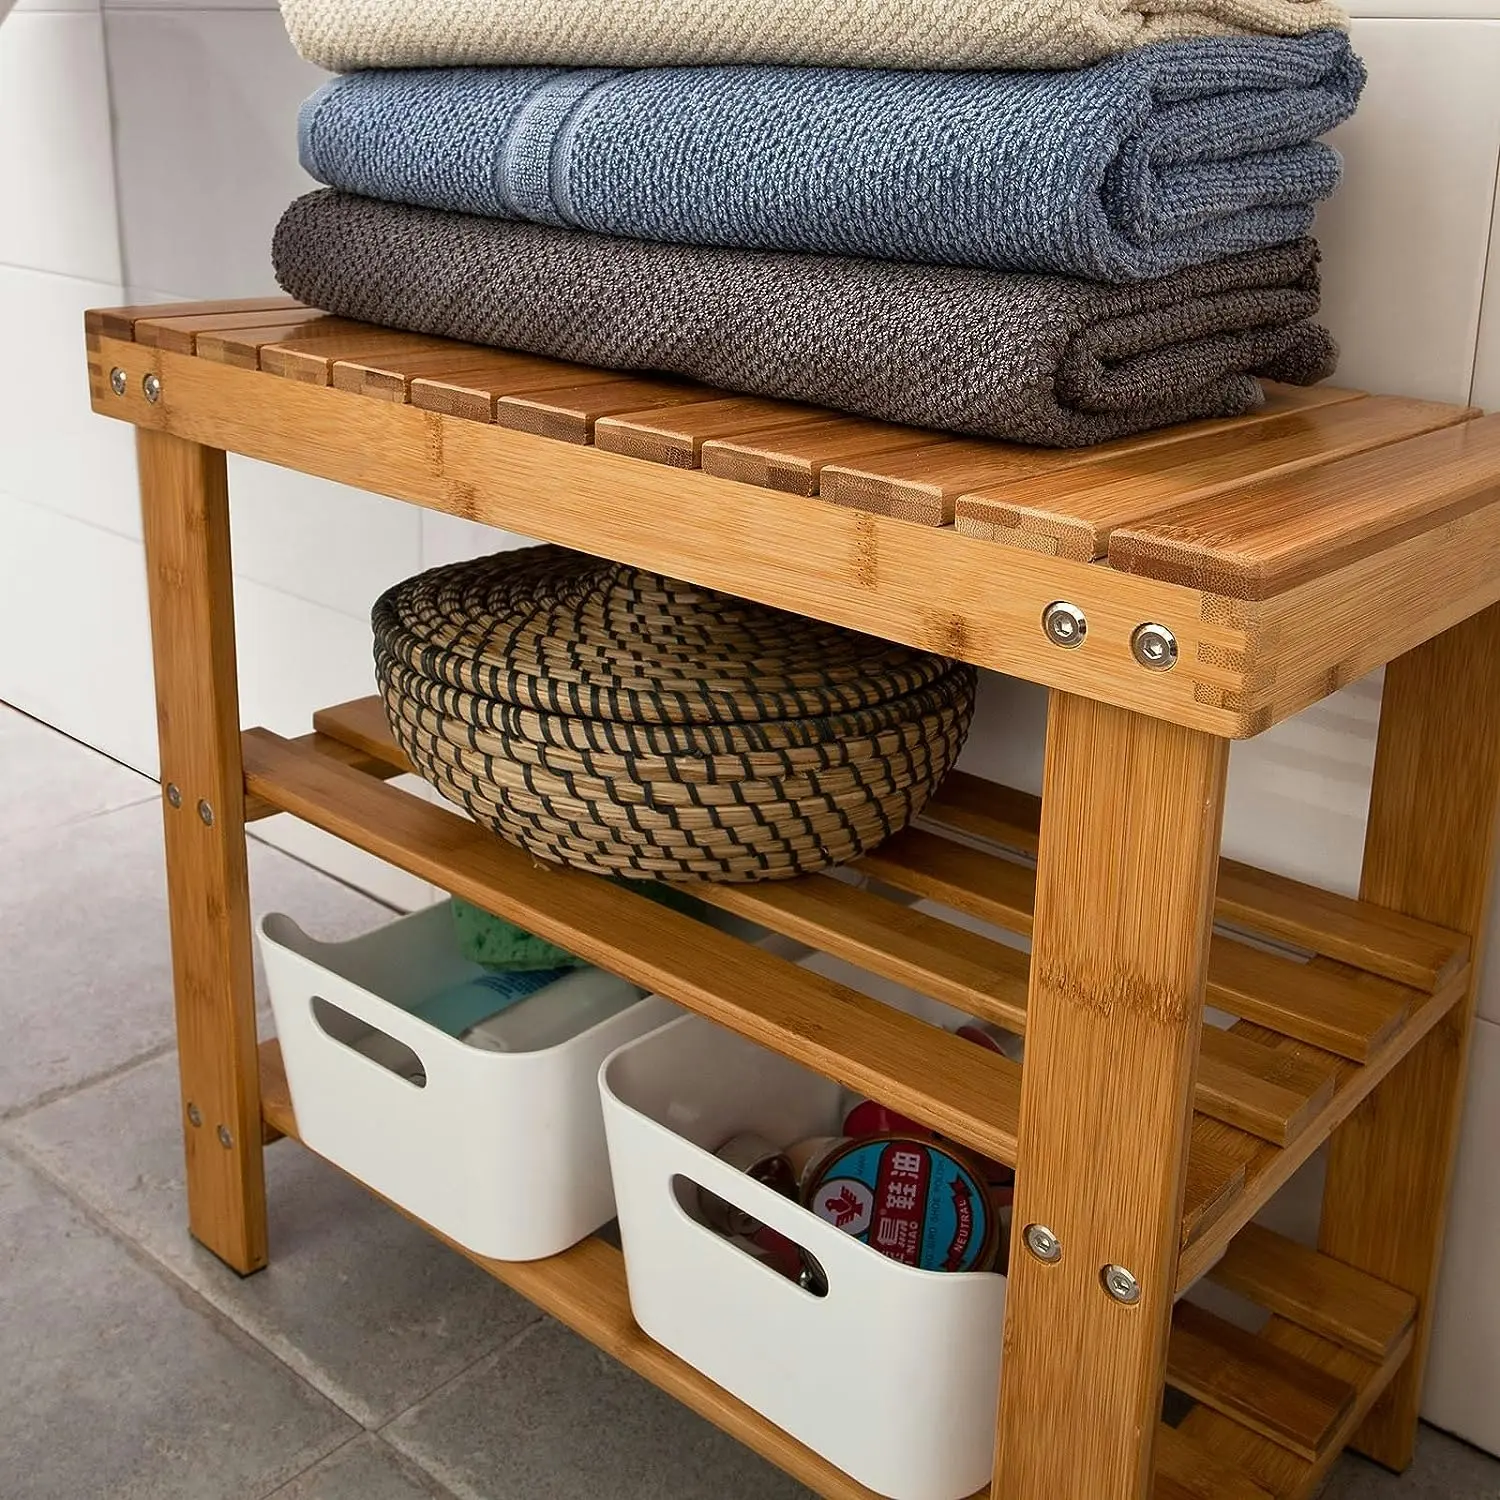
471	393
1276	1469
310	357
1186	1470
1257	1088
1358	933
180	333
676	436
584	1289
791	458
1238	1081
1365	936
321	744
119	322
1114	1016
1217	1159
1316	1292
1326	1003
964	969
1267	1167
1268	535
1330	1004
924	485
361	723
241	347
1430	852
978	884
1073	514
390	377
936	1078
1270	1391
568	413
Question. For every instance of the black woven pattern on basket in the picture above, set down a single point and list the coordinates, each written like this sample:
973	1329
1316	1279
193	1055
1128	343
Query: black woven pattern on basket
655	741
548	629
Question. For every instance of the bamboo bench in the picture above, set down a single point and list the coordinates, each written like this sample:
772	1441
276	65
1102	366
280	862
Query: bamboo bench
1175	591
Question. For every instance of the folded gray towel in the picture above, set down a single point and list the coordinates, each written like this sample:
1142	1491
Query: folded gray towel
1035	359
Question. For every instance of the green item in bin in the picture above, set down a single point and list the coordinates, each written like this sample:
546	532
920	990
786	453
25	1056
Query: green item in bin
486	939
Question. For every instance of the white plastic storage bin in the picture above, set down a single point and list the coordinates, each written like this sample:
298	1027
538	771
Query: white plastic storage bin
502	1152
893	1375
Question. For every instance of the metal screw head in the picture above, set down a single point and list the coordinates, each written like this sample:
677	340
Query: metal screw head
1121	1285
225	1139
118	380
195	1115
1064	624
1042	1243
1155	647
206	813
152	387
174	796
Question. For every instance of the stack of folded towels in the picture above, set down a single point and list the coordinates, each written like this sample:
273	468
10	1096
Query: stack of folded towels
1052	221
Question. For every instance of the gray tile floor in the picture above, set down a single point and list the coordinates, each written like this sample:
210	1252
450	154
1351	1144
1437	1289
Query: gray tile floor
367	1362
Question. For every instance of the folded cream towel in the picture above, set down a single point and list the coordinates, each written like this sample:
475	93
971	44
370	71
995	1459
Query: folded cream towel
343	35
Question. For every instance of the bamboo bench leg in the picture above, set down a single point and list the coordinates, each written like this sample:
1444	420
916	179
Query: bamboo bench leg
185	509
1429	852
1131	816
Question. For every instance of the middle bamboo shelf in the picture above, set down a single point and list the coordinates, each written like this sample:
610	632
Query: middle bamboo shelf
1321	995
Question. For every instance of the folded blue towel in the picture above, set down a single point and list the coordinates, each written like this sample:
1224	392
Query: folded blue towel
1163	157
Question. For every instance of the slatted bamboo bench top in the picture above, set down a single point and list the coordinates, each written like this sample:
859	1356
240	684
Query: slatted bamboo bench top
1220	574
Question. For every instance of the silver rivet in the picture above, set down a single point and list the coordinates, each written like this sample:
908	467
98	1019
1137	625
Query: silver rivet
206	813
1064	624
118	380
1043	1243
173	795
1121	1285
225	1139
152	387
195	1115
1155	647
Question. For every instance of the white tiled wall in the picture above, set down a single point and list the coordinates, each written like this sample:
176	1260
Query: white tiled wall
113	182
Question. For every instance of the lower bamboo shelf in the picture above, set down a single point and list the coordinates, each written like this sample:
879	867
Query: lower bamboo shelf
1272	1410
1323	995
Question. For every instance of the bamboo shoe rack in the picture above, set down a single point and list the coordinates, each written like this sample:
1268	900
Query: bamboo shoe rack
1174	592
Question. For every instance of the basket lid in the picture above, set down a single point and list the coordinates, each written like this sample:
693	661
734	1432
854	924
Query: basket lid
561	632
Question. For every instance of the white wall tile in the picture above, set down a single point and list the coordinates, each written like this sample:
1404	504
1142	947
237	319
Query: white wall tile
448	539
1425	10
207	164
1464	1374
50	5
1298	795
1405	239
326	543
56	452
75	646
295	657
1487	364
56	158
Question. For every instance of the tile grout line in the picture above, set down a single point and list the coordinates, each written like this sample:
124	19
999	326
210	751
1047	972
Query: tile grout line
429	1482
20	1150
185	1292
68	1090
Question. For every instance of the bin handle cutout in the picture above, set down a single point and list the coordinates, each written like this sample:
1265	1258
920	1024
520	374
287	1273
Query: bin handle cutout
754	1239
369	1041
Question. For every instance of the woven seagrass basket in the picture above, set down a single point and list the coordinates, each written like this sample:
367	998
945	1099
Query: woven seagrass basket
633	725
